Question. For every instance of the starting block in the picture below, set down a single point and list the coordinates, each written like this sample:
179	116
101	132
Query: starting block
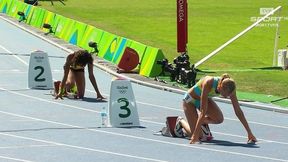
39	73
122	105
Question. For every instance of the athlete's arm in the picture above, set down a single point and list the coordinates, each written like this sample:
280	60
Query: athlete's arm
239	113
93	81
66	68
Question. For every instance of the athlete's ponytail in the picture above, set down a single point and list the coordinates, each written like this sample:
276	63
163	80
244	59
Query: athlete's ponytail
227	83
225	75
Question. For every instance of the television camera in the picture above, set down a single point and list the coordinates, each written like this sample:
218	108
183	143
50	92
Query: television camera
181	71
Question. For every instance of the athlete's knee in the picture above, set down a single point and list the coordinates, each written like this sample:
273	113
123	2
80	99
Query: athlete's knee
219	120
68	84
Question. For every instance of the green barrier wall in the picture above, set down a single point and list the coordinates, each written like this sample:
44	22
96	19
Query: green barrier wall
90	34
77	33
15	7
37	17
20	7
149	66
6	5
67	28
11	4
1	5
27	11
12	10
111	47
59	24
140	49
48	19
122	43
107	45
31	10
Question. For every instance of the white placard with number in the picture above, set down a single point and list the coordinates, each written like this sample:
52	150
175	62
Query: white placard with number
39	73
122	105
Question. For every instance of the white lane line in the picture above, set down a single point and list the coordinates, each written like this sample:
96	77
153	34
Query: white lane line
85	109
259	139
27	146
153	105
49	101
263	124
232	119
14	159
127	136
35	34
19	120
226	134
17	57
36	98
11	70
79	147
142	138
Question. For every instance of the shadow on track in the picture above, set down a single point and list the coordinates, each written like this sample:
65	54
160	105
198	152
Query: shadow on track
231	144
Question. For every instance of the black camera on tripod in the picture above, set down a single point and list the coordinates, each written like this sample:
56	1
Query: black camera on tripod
181	72
31	2
167	67
188	76
162	62
181	62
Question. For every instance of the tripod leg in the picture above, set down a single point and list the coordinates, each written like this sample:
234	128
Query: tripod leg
62	2
35	3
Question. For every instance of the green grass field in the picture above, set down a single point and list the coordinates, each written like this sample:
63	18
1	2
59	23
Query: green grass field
211	23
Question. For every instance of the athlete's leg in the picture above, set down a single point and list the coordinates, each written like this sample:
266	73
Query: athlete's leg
80	83
191	116
70	81
214	115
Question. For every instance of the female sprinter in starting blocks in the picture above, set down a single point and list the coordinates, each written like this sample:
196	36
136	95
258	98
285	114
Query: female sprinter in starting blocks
198	98
74	74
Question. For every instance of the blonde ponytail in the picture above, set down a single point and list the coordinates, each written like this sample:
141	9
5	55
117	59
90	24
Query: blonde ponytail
228	83
224	76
